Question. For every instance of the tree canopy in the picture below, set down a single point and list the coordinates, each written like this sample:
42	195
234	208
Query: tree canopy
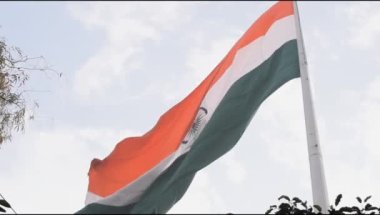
15	70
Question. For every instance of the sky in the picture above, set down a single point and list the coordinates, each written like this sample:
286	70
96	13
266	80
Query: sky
125	63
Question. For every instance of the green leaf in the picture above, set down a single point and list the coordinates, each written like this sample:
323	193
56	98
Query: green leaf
366	199
359	199
284	207
318	208
304	204
367	206
337	200
346	209
298	211
269	210
356	209
284	197
372	208
4	203
297	200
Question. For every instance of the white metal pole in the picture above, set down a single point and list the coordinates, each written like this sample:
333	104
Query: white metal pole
318	181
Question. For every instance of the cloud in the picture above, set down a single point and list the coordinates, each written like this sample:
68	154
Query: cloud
284	106
201	59
273	155
127	26
206	54
48	169
235	170
369	119
363	20
201	197
352	146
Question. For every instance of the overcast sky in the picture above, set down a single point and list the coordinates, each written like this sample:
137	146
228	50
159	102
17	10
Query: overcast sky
125	63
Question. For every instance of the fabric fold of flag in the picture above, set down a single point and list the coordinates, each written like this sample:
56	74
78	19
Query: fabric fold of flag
150	173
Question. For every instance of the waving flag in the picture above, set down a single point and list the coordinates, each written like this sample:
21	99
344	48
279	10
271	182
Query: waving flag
150	173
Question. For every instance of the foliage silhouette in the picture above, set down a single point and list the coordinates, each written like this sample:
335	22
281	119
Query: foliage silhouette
15	71
4	204
297	206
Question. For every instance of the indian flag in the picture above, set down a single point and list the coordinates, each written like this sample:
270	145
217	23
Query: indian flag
150	173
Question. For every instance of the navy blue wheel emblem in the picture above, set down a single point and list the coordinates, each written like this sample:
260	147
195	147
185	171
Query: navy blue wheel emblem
195	127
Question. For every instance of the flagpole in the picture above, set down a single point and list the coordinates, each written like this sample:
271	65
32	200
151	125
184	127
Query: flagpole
318	181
